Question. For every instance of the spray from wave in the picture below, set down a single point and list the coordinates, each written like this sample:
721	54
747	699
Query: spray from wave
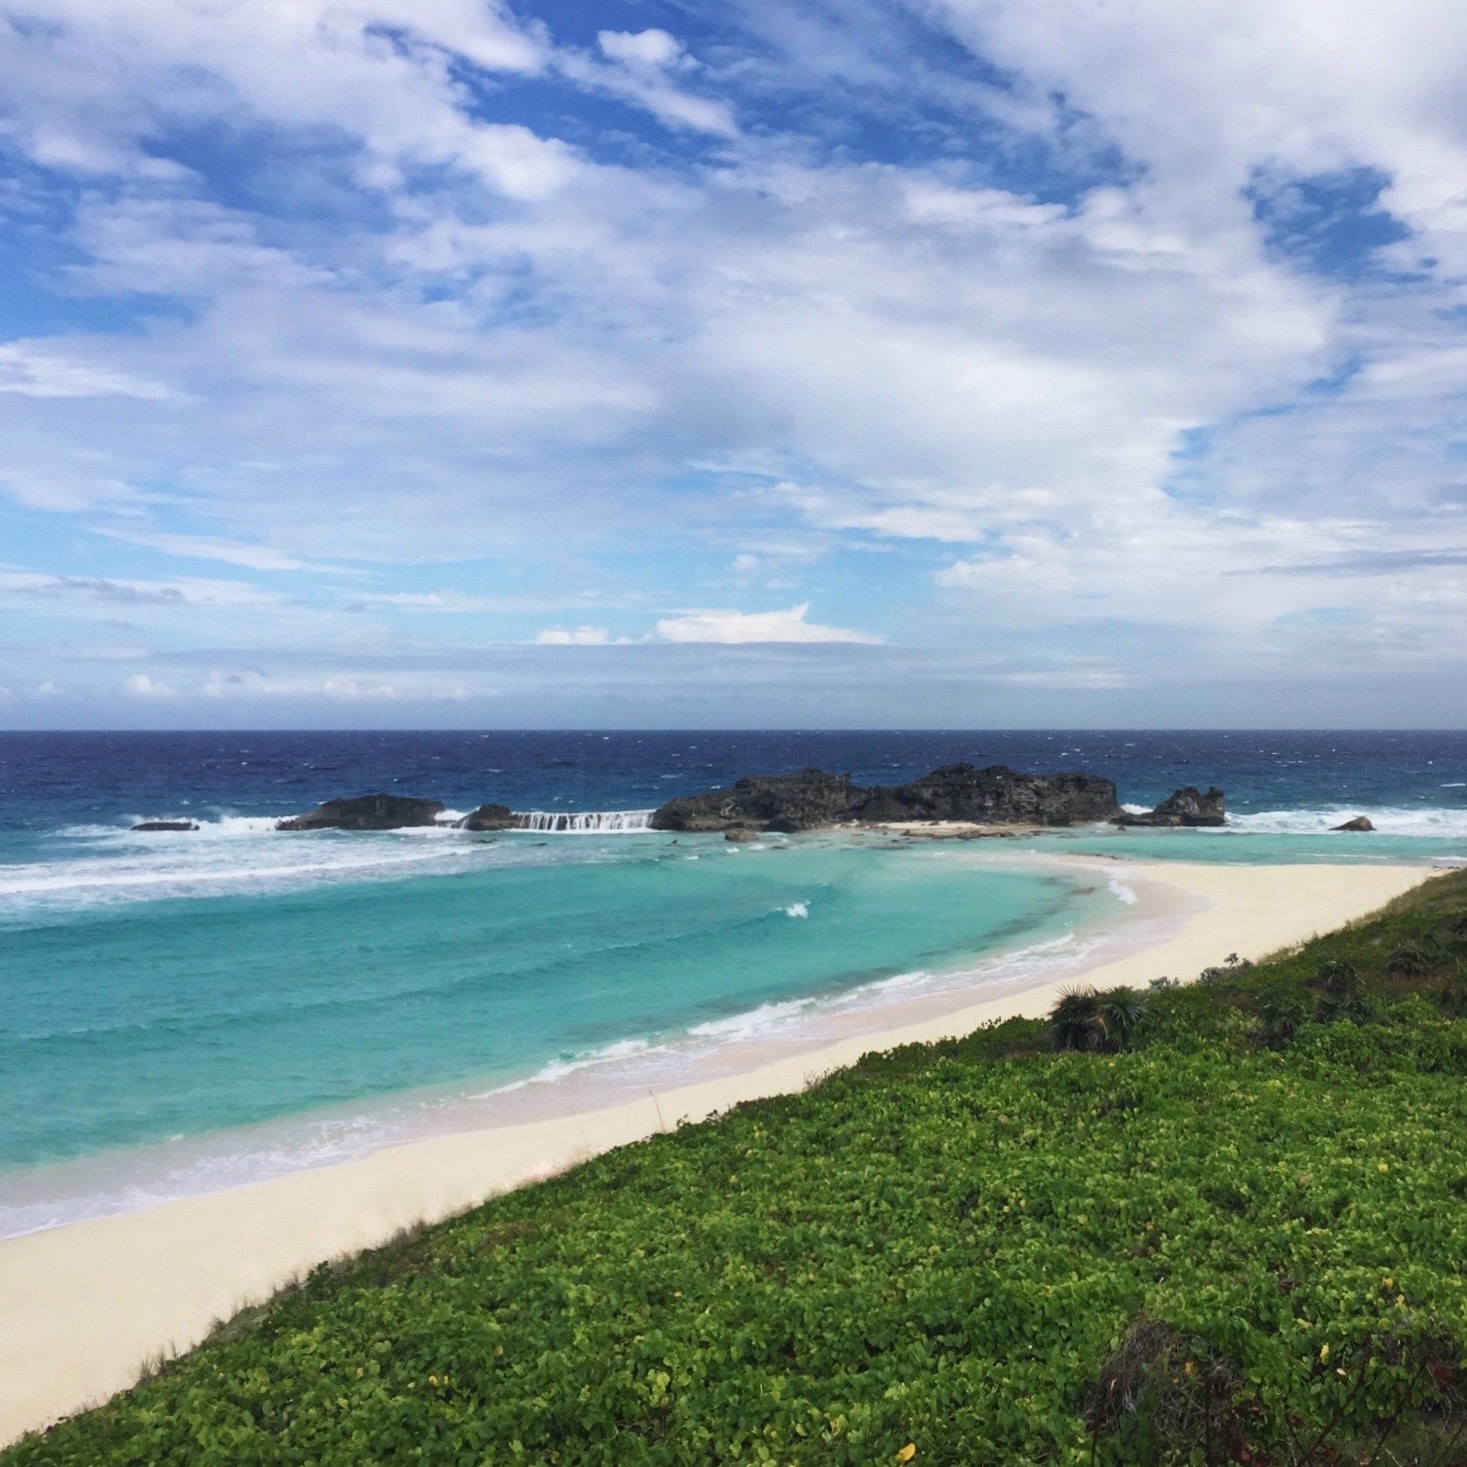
587	822
1421	823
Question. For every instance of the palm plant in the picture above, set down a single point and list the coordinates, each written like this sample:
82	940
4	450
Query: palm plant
1084	1019
1121	1010
1452	1000
1076	1022
1341	997
1408	961
1338	979
1281	1019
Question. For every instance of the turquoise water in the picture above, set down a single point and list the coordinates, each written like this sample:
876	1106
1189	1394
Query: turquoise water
137	1020
1240	846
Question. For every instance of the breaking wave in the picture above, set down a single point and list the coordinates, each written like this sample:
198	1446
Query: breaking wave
587	822
1422	822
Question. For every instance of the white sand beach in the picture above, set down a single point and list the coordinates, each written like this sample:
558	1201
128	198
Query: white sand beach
82	1306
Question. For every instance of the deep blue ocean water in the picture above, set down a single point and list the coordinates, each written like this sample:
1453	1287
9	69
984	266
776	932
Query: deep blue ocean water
48	779
155	989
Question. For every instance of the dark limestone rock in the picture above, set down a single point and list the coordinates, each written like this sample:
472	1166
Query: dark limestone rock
1360	822
166	825
1187	806
786	802
491	817
741	835
812	798
996	795
367	812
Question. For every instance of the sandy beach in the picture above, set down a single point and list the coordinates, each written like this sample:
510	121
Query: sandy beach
82	1306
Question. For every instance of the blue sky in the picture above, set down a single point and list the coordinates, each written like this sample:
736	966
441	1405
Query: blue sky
954	362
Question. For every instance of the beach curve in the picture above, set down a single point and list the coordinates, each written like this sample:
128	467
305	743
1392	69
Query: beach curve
81	1306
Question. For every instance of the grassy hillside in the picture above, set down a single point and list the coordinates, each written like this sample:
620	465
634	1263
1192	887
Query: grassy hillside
1241	1239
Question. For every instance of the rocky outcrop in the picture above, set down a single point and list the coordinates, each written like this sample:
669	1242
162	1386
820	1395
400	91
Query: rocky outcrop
996	795
958	792
166	825
367	812
491	817
741	835
1187	806
786	802
1360	822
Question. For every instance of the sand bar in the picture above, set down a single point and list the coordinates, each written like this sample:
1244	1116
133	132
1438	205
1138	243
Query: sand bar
82	1306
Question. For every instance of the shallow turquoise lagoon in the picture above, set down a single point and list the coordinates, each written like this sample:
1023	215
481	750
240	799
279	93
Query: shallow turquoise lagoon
131	1020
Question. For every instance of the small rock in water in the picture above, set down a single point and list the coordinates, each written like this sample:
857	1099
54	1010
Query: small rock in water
1360	822
491	817
1187	806
741	835
166	825
367	812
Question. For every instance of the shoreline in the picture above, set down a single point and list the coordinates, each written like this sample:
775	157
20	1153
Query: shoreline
82	1305
69	1191
1074	936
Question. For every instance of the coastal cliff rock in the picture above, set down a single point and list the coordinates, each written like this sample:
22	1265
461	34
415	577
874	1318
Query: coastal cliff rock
996	795
1360	822
1186	806
367	812
166	825
812	798
787	802
491	817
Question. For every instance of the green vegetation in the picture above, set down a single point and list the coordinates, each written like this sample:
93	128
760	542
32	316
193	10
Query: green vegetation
1229	1225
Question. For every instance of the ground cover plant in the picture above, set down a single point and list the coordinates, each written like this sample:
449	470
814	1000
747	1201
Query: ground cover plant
1228	1225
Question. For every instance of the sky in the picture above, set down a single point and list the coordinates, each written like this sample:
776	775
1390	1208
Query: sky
438	363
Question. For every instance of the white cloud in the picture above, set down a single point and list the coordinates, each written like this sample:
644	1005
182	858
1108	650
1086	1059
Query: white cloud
35	371
87	89
640	72
140	685
649	48
580	637
16	585
204	547
500	348
433	601
735	627
1207	93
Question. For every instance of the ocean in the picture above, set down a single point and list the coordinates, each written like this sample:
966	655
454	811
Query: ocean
184	1011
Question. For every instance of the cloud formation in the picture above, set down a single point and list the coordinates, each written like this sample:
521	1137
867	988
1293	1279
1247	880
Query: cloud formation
1063	346
736	628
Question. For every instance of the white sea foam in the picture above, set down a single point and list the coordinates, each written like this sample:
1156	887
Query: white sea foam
797	909
558	1069
106	865
1419	822
1121	891
756	1023
587	822
94	865
188	1167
